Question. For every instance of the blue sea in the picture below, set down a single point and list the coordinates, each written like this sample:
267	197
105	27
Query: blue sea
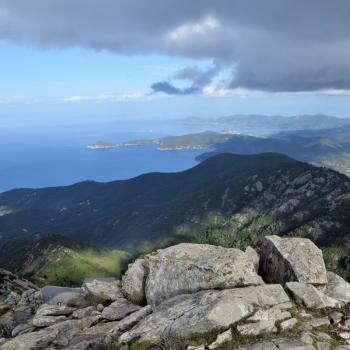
41	152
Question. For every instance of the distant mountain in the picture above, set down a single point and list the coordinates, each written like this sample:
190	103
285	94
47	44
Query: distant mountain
202	140
317	121
228	200
328	147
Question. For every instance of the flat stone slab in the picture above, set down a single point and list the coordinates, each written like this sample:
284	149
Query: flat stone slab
204	312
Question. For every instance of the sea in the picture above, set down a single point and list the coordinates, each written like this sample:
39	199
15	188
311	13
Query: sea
43	152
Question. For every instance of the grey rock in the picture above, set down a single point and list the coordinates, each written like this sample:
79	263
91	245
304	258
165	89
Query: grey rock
335	317
203	312
102	290
196	347
57	335
288	324
337	287
85	312
316	322
188	268
291	259
221	339
321	345
133	282
54	310
293	344
310	297
263	321
45	321
254	256
265	345
132	319
22	329
119	309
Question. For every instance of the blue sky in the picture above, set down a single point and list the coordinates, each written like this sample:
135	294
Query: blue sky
71	80
161	59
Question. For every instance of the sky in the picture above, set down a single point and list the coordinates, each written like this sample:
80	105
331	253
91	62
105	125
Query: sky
165	58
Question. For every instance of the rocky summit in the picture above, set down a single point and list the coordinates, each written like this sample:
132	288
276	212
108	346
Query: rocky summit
278	296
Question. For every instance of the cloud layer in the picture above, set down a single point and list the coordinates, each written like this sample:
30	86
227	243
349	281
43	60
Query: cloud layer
271	45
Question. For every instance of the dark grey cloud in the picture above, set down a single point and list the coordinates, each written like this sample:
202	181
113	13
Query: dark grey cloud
273	45
170	89
198	79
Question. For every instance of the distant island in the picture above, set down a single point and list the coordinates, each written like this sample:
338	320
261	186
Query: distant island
202	140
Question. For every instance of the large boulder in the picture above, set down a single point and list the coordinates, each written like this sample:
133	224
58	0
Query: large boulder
133	284
291	260
204	312
189	268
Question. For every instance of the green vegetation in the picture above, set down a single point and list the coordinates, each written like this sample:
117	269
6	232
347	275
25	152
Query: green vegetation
72	267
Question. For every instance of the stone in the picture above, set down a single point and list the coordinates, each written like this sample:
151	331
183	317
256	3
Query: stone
99	307
85	312
337	287
221	339
344	335
265	345
103	290
22	329
132	319
322	336
133	282
310	297
119	309
316	323
54	310
254	256
57	335
335	317
188	268
288	324
321	345
203	312
30	298
63	296
293	344
285	260
263	321
12	299
45	321
304	314
196	347
307	337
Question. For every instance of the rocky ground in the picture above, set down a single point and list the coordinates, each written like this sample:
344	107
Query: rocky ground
193	297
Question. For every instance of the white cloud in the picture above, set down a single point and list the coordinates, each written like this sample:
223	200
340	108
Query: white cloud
124	97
